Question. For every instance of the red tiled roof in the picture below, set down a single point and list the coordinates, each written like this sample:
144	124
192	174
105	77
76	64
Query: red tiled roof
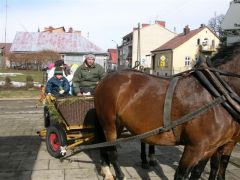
6	47
178	40
113	55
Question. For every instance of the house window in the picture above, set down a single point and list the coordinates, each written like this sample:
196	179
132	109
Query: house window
213	43
198	41
187	61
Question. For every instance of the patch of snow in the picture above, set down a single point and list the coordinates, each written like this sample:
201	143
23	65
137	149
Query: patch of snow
10	74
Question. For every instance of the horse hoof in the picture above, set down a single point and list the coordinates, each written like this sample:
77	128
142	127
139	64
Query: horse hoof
153	163
106	173
145	166
108	178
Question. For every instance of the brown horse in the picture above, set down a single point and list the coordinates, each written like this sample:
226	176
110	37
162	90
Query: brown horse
136	100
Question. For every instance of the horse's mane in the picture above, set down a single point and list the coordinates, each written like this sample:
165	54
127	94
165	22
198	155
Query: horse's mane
137	71
225	54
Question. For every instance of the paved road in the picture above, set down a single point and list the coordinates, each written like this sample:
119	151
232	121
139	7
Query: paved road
23	154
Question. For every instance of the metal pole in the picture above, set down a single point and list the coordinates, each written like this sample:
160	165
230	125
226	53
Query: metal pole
5	39
138	47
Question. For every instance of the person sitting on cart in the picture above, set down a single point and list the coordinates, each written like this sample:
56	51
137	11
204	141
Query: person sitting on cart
86	76
58	85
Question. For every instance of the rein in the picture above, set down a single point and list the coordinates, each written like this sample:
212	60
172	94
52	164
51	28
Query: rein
156	131
221	72
211	80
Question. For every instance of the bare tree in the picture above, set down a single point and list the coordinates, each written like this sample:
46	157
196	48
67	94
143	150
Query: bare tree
215	24
35	60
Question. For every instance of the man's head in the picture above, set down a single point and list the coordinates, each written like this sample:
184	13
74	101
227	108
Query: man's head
89	59
58	72
59	63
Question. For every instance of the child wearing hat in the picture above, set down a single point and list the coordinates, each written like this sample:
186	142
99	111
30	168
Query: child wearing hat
57	85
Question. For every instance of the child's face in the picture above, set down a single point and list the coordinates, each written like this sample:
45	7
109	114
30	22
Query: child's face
58	76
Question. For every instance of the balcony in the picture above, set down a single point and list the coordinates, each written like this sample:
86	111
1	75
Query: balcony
207	48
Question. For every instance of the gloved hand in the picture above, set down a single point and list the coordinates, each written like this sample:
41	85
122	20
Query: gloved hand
61	91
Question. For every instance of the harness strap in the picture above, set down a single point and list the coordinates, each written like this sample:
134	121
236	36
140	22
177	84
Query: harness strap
156	131
168	102
215	92
225	73
223	91
232	93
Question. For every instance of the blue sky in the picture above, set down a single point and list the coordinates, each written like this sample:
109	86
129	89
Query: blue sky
104	20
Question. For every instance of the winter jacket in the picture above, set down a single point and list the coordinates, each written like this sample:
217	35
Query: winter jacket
54	85
87	77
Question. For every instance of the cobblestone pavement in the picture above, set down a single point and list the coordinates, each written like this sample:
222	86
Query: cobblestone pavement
23	154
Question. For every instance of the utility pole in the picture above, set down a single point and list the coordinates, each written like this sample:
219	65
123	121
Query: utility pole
5	35
138	48
5	39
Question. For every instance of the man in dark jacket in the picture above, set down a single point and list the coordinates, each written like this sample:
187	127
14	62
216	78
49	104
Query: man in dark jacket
86	77
57	85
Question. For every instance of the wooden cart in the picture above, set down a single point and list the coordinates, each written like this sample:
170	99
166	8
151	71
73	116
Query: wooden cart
69	122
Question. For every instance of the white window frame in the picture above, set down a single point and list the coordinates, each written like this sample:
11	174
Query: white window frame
187	61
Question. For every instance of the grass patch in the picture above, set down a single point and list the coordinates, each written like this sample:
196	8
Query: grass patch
37	76
22	92
19	93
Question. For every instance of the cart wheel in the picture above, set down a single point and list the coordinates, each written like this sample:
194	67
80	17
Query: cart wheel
56	137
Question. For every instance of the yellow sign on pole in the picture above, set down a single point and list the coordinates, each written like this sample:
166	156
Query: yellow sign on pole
162	61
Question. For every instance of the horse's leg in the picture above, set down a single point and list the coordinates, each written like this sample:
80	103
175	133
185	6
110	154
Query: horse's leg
151	154
113	157
198	169
227	150
214	165
105	165
223	166
145	164
104	159
111	135
190	157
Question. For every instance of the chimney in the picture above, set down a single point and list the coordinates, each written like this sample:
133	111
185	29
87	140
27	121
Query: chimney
202	25
78	32
70	30
134	29
48	29
162	23
144	25
186	30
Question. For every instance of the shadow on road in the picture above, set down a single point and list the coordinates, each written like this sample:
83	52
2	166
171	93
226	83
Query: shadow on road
18	156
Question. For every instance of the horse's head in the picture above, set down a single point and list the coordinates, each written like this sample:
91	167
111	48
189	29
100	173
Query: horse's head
234	66
228	59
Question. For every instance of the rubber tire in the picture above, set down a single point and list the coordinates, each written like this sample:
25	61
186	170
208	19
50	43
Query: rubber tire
55	132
